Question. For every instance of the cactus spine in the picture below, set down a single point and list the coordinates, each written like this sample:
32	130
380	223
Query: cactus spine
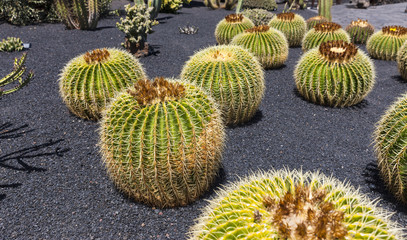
162	141
360	31
402	60
324	9
11	44
78	14
230	26
311	22
385	44
323	32
292	25
16	76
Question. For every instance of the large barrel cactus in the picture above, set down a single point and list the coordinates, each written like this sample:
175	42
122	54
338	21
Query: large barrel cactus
293	205
359	31
292	25
268	44
311	22
89	81
385	44
323	32
162	141
232	76
402	60
336	74
230	26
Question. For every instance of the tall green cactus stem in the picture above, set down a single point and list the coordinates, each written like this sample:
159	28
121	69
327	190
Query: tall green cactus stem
89	81
79	14
385	44
232	76
323	32
11	44
402	60
336	74
324	9
311	22
162	141
258	16
154	7
268	44
292	25
17	75
287	204
359	31
230	26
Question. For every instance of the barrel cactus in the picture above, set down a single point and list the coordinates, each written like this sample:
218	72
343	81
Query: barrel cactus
292	25
230	26
323	32
385	44
258	16
161	142
287	204
336	74
11	44
268	44
89	81
360	31
232	76
402	60
311	22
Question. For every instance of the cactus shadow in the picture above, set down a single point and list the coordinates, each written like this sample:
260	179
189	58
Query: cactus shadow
14	185
163	19
194	4
399	79
277	68
255	119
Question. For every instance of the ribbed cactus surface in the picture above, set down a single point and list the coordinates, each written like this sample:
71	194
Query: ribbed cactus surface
89	81
293	205
402	60
323	32
311	22
232	76
162	141
359	31
385	44
292	25
336	74
230	26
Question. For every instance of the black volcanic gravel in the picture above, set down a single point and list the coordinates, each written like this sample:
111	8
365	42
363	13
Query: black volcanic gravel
53	184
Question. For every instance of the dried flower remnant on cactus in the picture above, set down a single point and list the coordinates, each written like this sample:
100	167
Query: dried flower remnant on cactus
394	30
234	18
96	56
286	16
327	27
360	23
338	51
256	29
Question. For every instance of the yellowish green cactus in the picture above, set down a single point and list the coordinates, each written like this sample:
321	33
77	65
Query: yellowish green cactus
11	44
292	25
402	60
359	31
323	32
230	26
385	44
311	22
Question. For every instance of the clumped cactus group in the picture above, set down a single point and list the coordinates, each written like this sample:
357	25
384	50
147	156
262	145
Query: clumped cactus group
230	26
11	44
402	60
292	25
323	32
359	31
385	43
311	22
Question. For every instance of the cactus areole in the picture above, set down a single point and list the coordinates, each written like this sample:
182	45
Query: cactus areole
394	30
258	29
327	27
286	16
338	51
234	18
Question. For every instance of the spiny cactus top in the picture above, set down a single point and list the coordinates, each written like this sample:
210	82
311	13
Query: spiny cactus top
323	32
311	22
360	31
89	81
385	44
230	26
336	74
161	142
292	25
402	60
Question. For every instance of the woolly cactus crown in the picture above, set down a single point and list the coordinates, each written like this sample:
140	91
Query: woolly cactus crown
338	51
286	16
394	30
234	18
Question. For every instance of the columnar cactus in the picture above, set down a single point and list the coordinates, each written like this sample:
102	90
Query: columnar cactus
287	204
232	76
323	32
230	26
402	60
268	44
79	14
324	9
360	31
162	141
11	44
385	44
311	22
292	25
89	81
336	74
258	16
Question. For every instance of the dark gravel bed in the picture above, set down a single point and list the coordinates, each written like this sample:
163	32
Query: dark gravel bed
53	184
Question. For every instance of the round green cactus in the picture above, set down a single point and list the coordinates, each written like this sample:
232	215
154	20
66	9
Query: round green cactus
268	44
359	31
230	26
293	205
323	32
336	74
89	81
402	60
258	16
292	25
11	44
232	76
161	142
385	44
311	22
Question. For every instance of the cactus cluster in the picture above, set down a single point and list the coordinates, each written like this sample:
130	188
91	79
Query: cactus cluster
215	4
311	22
402	60
269	45
359	31
336	74
230	26
385	43
258	16
172	6
269	5
292	25
161	142
323	32
16	75
11	44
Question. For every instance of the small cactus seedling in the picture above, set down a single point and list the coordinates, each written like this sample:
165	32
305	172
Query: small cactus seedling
230	26
89	81
336	74
11	44
258	16
402	60
292	25
385	44
162	142
323	32
232	76
311	22
359	31
16	76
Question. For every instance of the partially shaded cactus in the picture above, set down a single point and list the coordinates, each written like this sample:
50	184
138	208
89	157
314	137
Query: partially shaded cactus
232	76
162	142
79	14
268	44
17	75
89	81
323	32
359	31
292	25
402	60
287	204
269	5
311	22
385	44
336	74
258	16
215	4
230	26
11	44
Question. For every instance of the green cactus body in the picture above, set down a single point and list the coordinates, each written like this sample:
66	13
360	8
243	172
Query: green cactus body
402	60
311	22
385	44
359	31
269	5
162	141
336	74
11	44
323	32
268	44
89	81
258	16
324	9
232	76
230	26
293	205
292	25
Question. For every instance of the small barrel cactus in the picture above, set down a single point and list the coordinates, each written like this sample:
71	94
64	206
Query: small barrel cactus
11	44
268	44
359	31
311	22
162	141
232	76
230	26
89	81
323	32
292	25
402	60
385	44
258	16
287	204
336	74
